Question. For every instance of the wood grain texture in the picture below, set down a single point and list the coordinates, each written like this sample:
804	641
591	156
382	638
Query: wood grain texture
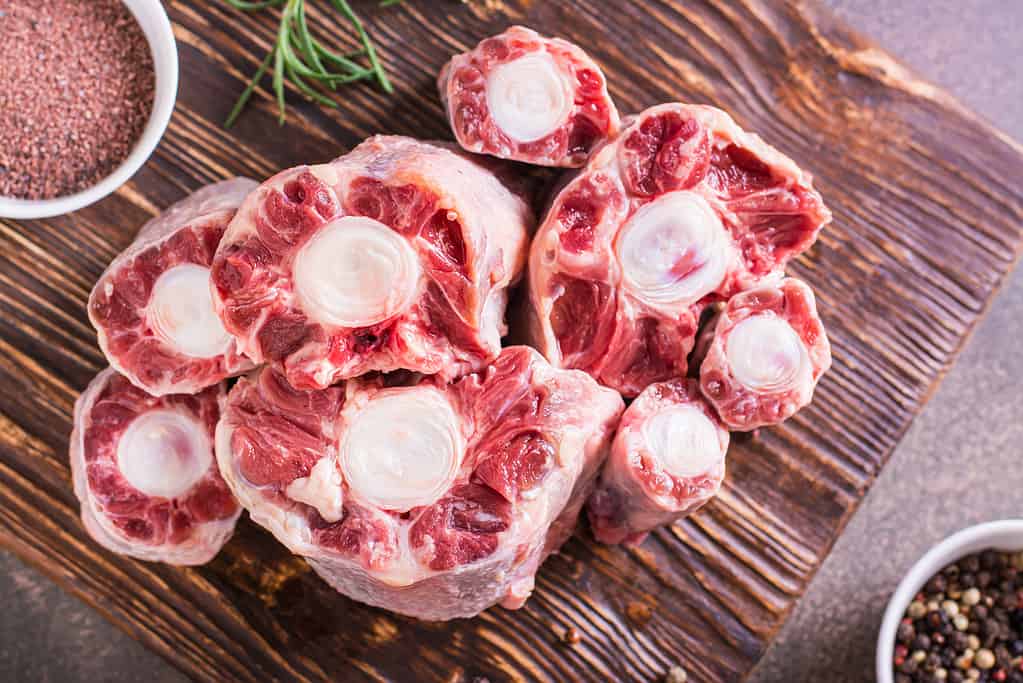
928	219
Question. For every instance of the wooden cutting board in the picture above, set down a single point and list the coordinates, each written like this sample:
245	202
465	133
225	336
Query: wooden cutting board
928	219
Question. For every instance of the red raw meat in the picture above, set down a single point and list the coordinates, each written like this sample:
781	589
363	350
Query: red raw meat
667	460
521	96
145	474
681	209
768	351
151	307
397	255
429	499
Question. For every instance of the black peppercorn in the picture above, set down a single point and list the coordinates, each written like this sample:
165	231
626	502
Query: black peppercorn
1016	648
936	619
979	612
970	563
903	678
956	676
967	580
983	579
989	559
937	584
905	633
932	662
921	642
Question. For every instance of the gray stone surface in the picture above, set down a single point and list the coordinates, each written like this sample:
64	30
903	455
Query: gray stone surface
938	480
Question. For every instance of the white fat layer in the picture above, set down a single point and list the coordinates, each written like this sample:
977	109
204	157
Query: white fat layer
402	450
321	489
164	453
684	440
765	353
528	98
181	312
355	272
674	250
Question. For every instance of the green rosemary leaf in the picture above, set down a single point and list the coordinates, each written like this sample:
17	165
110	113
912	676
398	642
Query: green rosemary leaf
278	81
371	52
253	6
247	93
306	42
307	90
390	3
297	56
343	61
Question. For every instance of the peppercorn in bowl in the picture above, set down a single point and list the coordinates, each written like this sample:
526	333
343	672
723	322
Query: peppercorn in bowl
957	615
88	90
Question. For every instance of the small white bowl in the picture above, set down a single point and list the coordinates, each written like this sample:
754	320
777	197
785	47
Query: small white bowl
152	18
1006	534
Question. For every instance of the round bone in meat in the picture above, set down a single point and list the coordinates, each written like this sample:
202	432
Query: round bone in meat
680	210
397	255
768	351
152	307
521	96
429	499
667	460
145	474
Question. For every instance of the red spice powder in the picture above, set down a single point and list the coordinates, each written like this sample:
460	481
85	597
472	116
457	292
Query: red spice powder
76	91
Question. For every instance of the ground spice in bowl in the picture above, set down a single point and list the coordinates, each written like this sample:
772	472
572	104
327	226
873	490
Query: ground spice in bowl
76	91
966	624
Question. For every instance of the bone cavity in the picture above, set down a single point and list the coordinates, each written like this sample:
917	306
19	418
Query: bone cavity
528	98
164	453
765	353
181	312
402	449
355	272
674	250
684	440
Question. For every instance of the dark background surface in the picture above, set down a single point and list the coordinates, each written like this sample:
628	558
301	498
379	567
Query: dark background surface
935	483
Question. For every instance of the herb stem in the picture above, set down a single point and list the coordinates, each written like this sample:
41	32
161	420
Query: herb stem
240	104
371	52
297	56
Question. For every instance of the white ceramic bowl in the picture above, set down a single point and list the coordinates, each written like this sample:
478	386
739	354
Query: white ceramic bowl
153	20
1006	534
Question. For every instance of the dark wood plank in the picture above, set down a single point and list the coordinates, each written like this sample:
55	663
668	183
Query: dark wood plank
928	219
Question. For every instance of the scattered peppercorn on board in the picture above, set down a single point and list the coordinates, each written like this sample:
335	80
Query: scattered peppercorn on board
928	220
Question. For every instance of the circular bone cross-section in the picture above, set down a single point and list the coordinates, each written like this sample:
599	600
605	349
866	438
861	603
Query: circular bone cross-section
766	354
528	97
356	272
164	453
182	315
674	250
402	449
684	440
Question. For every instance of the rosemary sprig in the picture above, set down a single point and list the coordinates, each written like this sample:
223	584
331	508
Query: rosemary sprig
299	58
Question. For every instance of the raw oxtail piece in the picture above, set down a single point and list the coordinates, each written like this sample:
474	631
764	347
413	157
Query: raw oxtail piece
667	460
152	308
428	499
680	210
521	96
397	255
145	473
768	352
